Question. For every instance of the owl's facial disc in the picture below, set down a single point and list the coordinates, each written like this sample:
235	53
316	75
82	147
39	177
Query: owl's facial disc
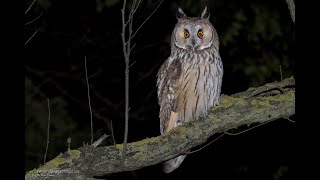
193	36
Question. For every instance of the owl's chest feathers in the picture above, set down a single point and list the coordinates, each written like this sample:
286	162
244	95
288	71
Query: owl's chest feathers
199	90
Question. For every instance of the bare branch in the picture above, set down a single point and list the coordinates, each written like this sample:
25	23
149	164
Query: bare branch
85	65
31	37
132	63
291	7
111	127
69	143
132	46
123	34
235	134
30	7
206	144
126	53
280	86
48	131
34	19
146	19
280	73
135	9
99	141
287	118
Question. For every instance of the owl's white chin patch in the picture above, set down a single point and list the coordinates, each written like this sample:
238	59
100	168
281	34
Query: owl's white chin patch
182	47
204	47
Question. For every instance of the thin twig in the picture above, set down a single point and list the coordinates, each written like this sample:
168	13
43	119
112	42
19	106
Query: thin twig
114	141
266	89
134	11
34	19
281	73
126	56
146	19
31	37
206	144
69	143
85	65
132	47
126	43
291	7
235	134
132	63
99	141
30	7
287	118
48	131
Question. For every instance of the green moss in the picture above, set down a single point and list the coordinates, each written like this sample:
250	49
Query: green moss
54	163
142	142
225	102
256	102
119	146
228	101
196	126
241	101
251	89
179	132
211	115
265	101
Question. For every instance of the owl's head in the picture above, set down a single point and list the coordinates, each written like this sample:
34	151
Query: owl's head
193	33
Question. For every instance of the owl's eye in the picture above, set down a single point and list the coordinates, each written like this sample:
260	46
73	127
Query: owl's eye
186	33
200	33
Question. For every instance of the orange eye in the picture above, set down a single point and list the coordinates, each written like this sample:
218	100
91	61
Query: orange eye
200	34
186	34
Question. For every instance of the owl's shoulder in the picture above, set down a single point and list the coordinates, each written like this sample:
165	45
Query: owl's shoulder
170	68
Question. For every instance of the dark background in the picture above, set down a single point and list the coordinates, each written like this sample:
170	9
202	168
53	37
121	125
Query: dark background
256	39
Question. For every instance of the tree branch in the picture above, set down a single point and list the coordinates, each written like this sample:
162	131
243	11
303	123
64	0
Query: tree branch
31	37
146	19
234	111
126	53
89	99
48	132
292	10
34	19
30	7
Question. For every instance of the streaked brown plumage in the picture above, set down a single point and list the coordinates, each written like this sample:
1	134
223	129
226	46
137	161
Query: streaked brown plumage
189	81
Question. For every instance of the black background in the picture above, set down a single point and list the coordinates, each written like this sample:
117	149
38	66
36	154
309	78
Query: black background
70	30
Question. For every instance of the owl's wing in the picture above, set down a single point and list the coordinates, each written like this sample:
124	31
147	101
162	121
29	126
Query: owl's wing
167	83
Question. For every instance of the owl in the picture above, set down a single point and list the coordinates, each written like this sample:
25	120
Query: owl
189	81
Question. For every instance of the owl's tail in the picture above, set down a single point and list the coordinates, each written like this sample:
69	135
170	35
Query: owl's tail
173	164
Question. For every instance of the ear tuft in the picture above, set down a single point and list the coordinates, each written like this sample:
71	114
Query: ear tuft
180	14
205	13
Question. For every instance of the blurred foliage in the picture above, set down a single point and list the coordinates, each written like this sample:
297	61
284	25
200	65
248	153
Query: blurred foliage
101	4
264	36
62	126
282	170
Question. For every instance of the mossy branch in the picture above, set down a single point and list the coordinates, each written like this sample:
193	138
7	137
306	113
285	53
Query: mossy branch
269	102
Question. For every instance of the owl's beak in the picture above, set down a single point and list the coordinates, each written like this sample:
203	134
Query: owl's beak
193	42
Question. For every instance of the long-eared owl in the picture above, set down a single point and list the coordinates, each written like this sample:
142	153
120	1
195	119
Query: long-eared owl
189	81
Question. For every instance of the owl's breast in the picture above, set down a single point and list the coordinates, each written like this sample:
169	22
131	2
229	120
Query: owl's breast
199	90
